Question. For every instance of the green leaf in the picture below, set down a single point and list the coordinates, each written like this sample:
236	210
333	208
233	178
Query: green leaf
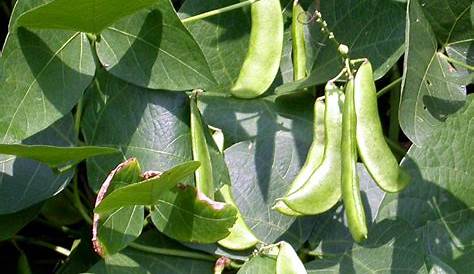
223	44
391	246
262	169
150	125
39	67
54	156
260	265
25	182
135	261
187	215
153	49
428	95
364	28
11	223
94	15
36	68
59	210
113	232
148	192
440	201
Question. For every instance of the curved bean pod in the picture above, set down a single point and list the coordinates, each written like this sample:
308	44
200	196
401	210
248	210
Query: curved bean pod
299	47
262	62
313	158
241	236
323	188
288	261
350	181
374	151
203	175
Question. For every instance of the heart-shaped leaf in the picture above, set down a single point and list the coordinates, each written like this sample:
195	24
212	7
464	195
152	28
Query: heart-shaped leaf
187	215
439	203
428	94
95	14
150	125
153	49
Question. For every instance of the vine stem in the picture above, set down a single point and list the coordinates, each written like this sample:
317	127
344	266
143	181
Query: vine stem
59	249
389	87
457	62
218	11
173	252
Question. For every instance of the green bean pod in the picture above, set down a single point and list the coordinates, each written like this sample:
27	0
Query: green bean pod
203	175
323	188
373	149
241	236
350	181
262	61
299	47
313	158
288	261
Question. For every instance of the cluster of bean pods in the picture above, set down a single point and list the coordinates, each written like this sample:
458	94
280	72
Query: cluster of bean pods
348	127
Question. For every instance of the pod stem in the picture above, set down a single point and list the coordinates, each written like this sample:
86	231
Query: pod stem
217	11
456	62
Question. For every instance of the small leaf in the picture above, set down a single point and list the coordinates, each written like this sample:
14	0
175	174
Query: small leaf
288	261
54	156
187	215
94	16
146	192
115	231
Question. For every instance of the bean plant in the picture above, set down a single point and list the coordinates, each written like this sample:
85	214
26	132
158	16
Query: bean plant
226	136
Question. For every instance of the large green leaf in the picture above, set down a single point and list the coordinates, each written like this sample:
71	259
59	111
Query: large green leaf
114	231
43	76
223	43
187	215
80	15
392	247
153	49
364	28
152	126
148	192
429	94
134	261
24	182
55	156
440	200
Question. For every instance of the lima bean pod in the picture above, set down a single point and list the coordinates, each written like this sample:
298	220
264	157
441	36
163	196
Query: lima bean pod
350	181
373	149
288	261
203	175
323	189
262	61
241	236
313	158
298	41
